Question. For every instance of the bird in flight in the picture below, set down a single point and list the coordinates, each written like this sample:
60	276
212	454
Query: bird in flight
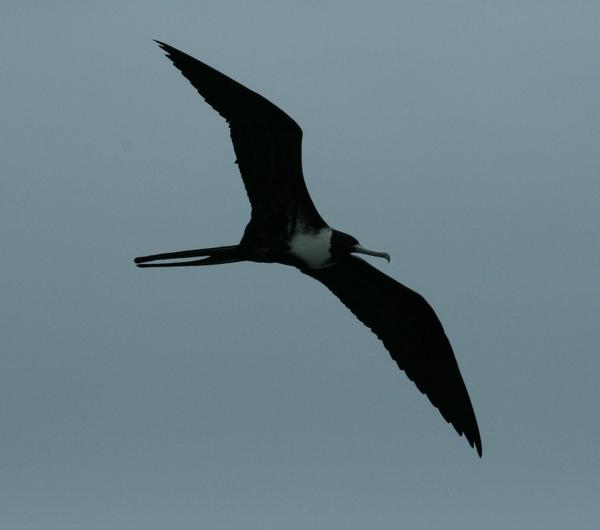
285	227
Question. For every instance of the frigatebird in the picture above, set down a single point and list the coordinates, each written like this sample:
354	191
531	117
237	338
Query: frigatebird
285	227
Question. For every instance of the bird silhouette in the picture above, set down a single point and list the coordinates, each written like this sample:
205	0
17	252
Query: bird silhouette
285	227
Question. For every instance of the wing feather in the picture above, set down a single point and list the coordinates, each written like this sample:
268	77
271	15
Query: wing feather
411	332
267	144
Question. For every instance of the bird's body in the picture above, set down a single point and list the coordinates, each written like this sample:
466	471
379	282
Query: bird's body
313	249
286	228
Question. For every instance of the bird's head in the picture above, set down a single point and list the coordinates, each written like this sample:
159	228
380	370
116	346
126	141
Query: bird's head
343	244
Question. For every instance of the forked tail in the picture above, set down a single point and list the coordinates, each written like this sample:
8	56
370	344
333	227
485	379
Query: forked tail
211	256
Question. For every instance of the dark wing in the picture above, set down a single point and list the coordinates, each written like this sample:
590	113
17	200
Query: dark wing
267	144
411	332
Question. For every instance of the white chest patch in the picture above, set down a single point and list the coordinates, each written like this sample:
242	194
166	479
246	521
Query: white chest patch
313	248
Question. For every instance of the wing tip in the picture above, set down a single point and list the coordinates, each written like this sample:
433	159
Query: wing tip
474	439
165	47
476	444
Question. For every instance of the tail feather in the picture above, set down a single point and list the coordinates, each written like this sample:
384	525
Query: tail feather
211	256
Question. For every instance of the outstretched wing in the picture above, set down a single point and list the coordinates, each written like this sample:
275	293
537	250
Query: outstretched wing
410	331
267	144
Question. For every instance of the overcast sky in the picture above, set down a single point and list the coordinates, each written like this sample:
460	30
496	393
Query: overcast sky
461	137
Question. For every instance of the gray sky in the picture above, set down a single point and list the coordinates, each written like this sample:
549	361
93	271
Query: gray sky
462	137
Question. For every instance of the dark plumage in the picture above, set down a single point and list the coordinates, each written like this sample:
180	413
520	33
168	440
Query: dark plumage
286	228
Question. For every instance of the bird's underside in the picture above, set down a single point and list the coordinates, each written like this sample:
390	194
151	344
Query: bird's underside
285	227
